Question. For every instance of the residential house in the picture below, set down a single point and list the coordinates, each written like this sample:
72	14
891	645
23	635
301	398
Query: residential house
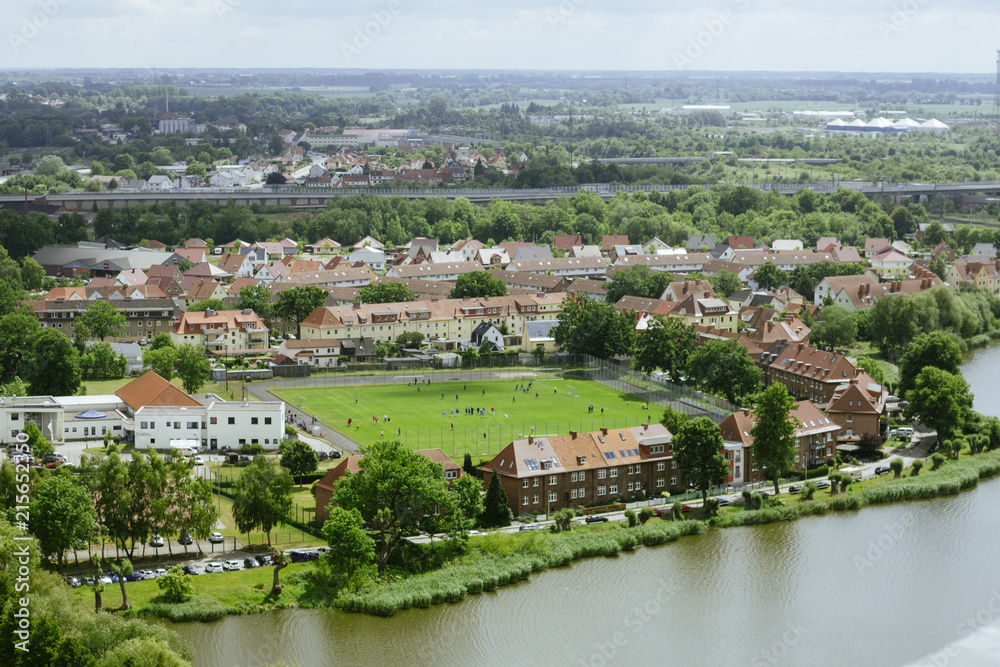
545	474
832	285
224	332
805	371
677	291
144	318
239	266
740	242
982	275
875	245
318	353
857	406
370	243
350	277
566	241
815	436
493	257
486	334
609	241
565	266
374	259
325	246
702	310
700	243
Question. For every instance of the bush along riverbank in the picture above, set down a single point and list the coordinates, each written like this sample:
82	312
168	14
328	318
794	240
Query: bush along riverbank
500	559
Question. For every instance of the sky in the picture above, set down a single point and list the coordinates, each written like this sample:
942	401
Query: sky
923	36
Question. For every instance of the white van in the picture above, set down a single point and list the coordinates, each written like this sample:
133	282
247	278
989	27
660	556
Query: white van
904	432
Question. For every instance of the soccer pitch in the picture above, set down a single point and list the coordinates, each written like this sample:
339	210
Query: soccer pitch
512	411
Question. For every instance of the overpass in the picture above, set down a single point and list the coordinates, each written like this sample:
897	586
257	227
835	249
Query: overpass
84	202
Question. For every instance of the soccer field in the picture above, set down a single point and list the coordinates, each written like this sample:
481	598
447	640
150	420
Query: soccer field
511	412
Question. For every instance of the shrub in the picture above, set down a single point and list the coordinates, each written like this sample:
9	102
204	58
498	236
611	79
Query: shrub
677	510
937	459
630	515
645	515
896	465
176	586
917	465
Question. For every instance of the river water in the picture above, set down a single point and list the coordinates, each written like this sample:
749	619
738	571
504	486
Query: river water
878	587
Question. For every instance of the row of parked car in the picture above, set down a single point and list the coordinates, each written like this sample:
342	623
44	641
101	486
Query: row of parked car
138	575
185	537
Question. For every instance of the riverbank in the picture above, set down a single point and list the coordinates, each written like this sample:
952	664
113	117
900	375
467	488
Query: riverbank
500	559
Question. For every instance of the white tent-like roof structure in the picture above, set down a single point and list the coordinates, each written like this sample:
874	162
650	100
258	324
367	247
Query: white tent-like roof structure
906	124
880	123
933	125
857	122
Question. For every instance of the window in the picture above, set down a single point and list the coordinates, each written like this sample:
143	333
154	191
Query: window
213	420
673	481
581	475
192	425
451	474
601	474
534	499
614	472
659	482
534	482
572	494
656	449
13	417
524	501
661	466
602	490
673	465
267	420
737	473
630	486
552	480
143	424
152	441
631	471
253	420
573	479
850	418
524	484
614	489
232	420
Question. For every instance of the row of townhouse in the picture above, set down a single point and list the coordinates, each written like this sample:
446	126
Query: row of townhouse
449	319
144	318
543	475
224	332
862	292
806	372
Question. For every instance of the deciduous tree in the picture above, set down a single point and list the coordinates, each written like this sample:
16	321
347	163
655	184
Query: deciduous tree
102	319
296	304
774	432
935	349
723	367
262	497
940	400
478	284
696	449
193	367
62	514
665	344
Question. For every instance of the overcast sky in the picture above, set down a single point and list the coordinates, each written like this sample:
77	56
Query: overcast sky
828	35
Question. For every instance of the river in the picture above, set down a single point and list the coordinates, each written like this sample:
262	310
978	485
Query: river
878	587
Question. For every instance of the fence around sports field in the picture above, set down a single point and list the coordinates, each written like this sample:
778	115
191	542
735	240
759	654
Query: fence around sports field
485	440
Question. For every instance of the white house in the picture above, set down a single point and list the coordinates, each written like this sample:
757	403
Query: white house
159	183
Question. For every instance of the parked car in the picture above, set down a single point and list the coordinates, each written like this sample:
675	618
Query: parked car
326	550
335	454
214	567
88	581
531	526
686	508
216	537
794	488
106	579
159	572
73	582
147	574
881	470
250	563
244	457
155	541
596	518
134	576
199	460
190	569
265	559
725	501
232	565
823	484
185	538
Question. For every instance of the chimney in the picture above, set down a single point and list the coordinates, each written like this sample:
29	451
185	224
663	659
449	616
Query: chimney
645	427
868	289
531	439
356	305
572	434
604	430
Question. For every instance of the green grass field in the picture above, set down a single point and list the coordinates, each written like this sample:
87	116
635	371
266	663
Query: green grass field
415	417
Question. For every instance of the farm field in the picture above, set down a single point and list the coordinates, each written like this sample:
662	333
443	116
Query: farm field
416	419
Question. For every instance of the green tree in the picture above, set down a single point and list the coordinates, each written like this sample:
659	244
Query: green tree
161	340
696	449
873	368
724	367
352	550
298	303
176	585
62	515
50	165
207	304
193	368
256	298
160	360
665	344
100	362
773	432
298	458
769	276
39	444
935	349
590	327
32	274
53	369
386	293
262	497
673	419
636	281
941	400
893	323
468	492
477	284
395	490
837	327
102	319
18	330
496	512
123	568
725	283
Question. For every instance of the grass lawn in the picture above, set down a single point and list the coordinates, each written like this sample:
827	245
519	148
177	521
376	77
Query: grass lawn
416	416
285	537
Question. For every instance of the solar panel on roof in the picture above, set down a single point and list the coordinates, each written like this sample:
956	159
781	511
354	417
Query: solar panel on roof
622	453
609	455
